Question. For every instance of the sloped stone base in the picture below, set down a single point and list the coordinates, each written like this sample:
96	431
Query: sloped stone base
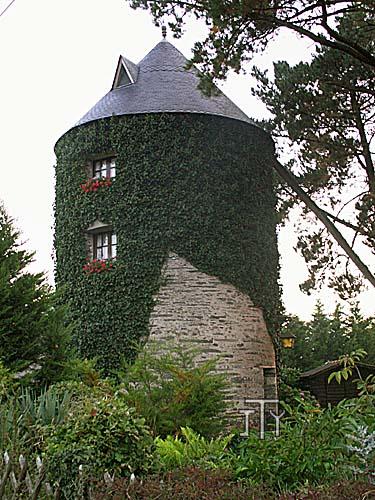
195	308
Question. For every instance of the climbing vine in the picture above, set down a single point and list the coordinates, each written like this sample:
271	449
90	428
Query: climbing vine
197	185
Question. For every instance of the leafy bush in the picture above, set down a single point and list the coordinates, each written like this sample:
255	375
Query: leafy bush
186	484
312	448
290	391
192	449
288	462
171	390
362	445
101	434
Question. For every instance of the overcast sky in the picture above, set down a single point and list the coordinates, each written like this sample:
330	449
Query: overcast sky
57	59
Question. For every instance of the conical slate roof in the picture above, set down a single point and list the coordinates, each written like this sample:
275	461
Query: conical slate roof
161	84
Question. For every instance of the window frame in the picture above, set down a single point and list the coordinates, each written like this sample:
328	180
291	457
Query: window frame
111	254
123	65
123	69
108	168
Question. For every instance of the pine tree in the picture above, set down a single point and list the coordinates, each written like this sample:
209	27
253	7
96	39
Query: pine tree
324	109
32	328
327	337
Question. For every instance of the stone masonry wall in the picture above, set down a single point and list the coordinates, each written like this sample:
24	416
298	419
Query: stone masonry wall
196	308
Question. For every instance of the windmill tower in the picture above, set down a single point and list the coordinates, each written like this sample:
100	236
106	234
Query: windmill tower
166	224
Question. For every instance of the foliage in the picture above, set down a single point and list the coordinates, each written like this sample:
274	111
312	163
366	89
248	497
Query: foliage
323	109
191	483
191	449
28	414
366	386
290	391
290	376
172	389
32	324
327	337
196	185
47	408
85	431
26	418
101	434
198	484
360	435
343	490
6	381
309	451
315	447
362	444
348	362
238	30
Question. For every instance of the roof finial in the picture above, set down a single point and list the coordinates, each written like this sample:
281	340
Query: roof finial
164	31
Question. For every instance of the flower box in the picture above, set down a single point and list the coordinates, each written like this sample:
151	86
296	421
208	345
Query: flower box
98	266
93	185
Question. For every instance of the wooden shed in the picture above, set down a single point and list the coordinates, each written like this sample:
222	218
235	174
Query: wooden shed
316	381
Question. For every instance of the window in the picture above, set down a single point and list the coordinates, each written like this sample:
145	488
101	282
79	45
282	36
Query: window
104	168
104	245
269	382
126	73
123	78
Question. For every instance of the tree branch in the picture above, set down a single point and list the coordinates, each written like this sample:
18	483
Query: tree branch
365	145
336	36
355	88
292	181
357	229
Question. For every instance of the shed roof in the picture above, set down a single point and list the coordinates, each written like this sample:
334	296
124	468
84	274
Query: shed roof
330	366
162	84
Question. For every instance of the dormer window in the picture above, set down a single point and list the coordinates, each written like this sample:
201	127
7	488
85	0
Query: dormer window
126	73
104	168
104	245
123	78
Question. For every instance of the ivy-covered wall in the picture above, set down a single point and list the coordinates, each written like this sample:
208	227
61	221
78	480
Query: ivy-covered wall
197	185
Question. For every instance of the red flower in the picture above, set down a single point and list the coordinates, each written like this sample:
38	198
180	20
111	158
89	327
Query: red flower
97	266
93	185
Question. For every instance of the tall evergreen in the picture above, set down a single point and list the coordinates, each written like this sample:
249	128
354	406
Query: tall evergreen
32	326
327	337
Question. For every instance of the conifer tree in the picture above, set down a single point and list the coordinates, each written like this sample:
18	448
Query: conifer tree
326	337
32	328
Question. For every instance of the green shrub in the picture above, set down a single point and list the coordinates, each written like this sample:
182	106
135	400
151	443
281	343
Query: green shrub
171	390
286	463
290	391
311	449
191	449
6	381
82	370
101	434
